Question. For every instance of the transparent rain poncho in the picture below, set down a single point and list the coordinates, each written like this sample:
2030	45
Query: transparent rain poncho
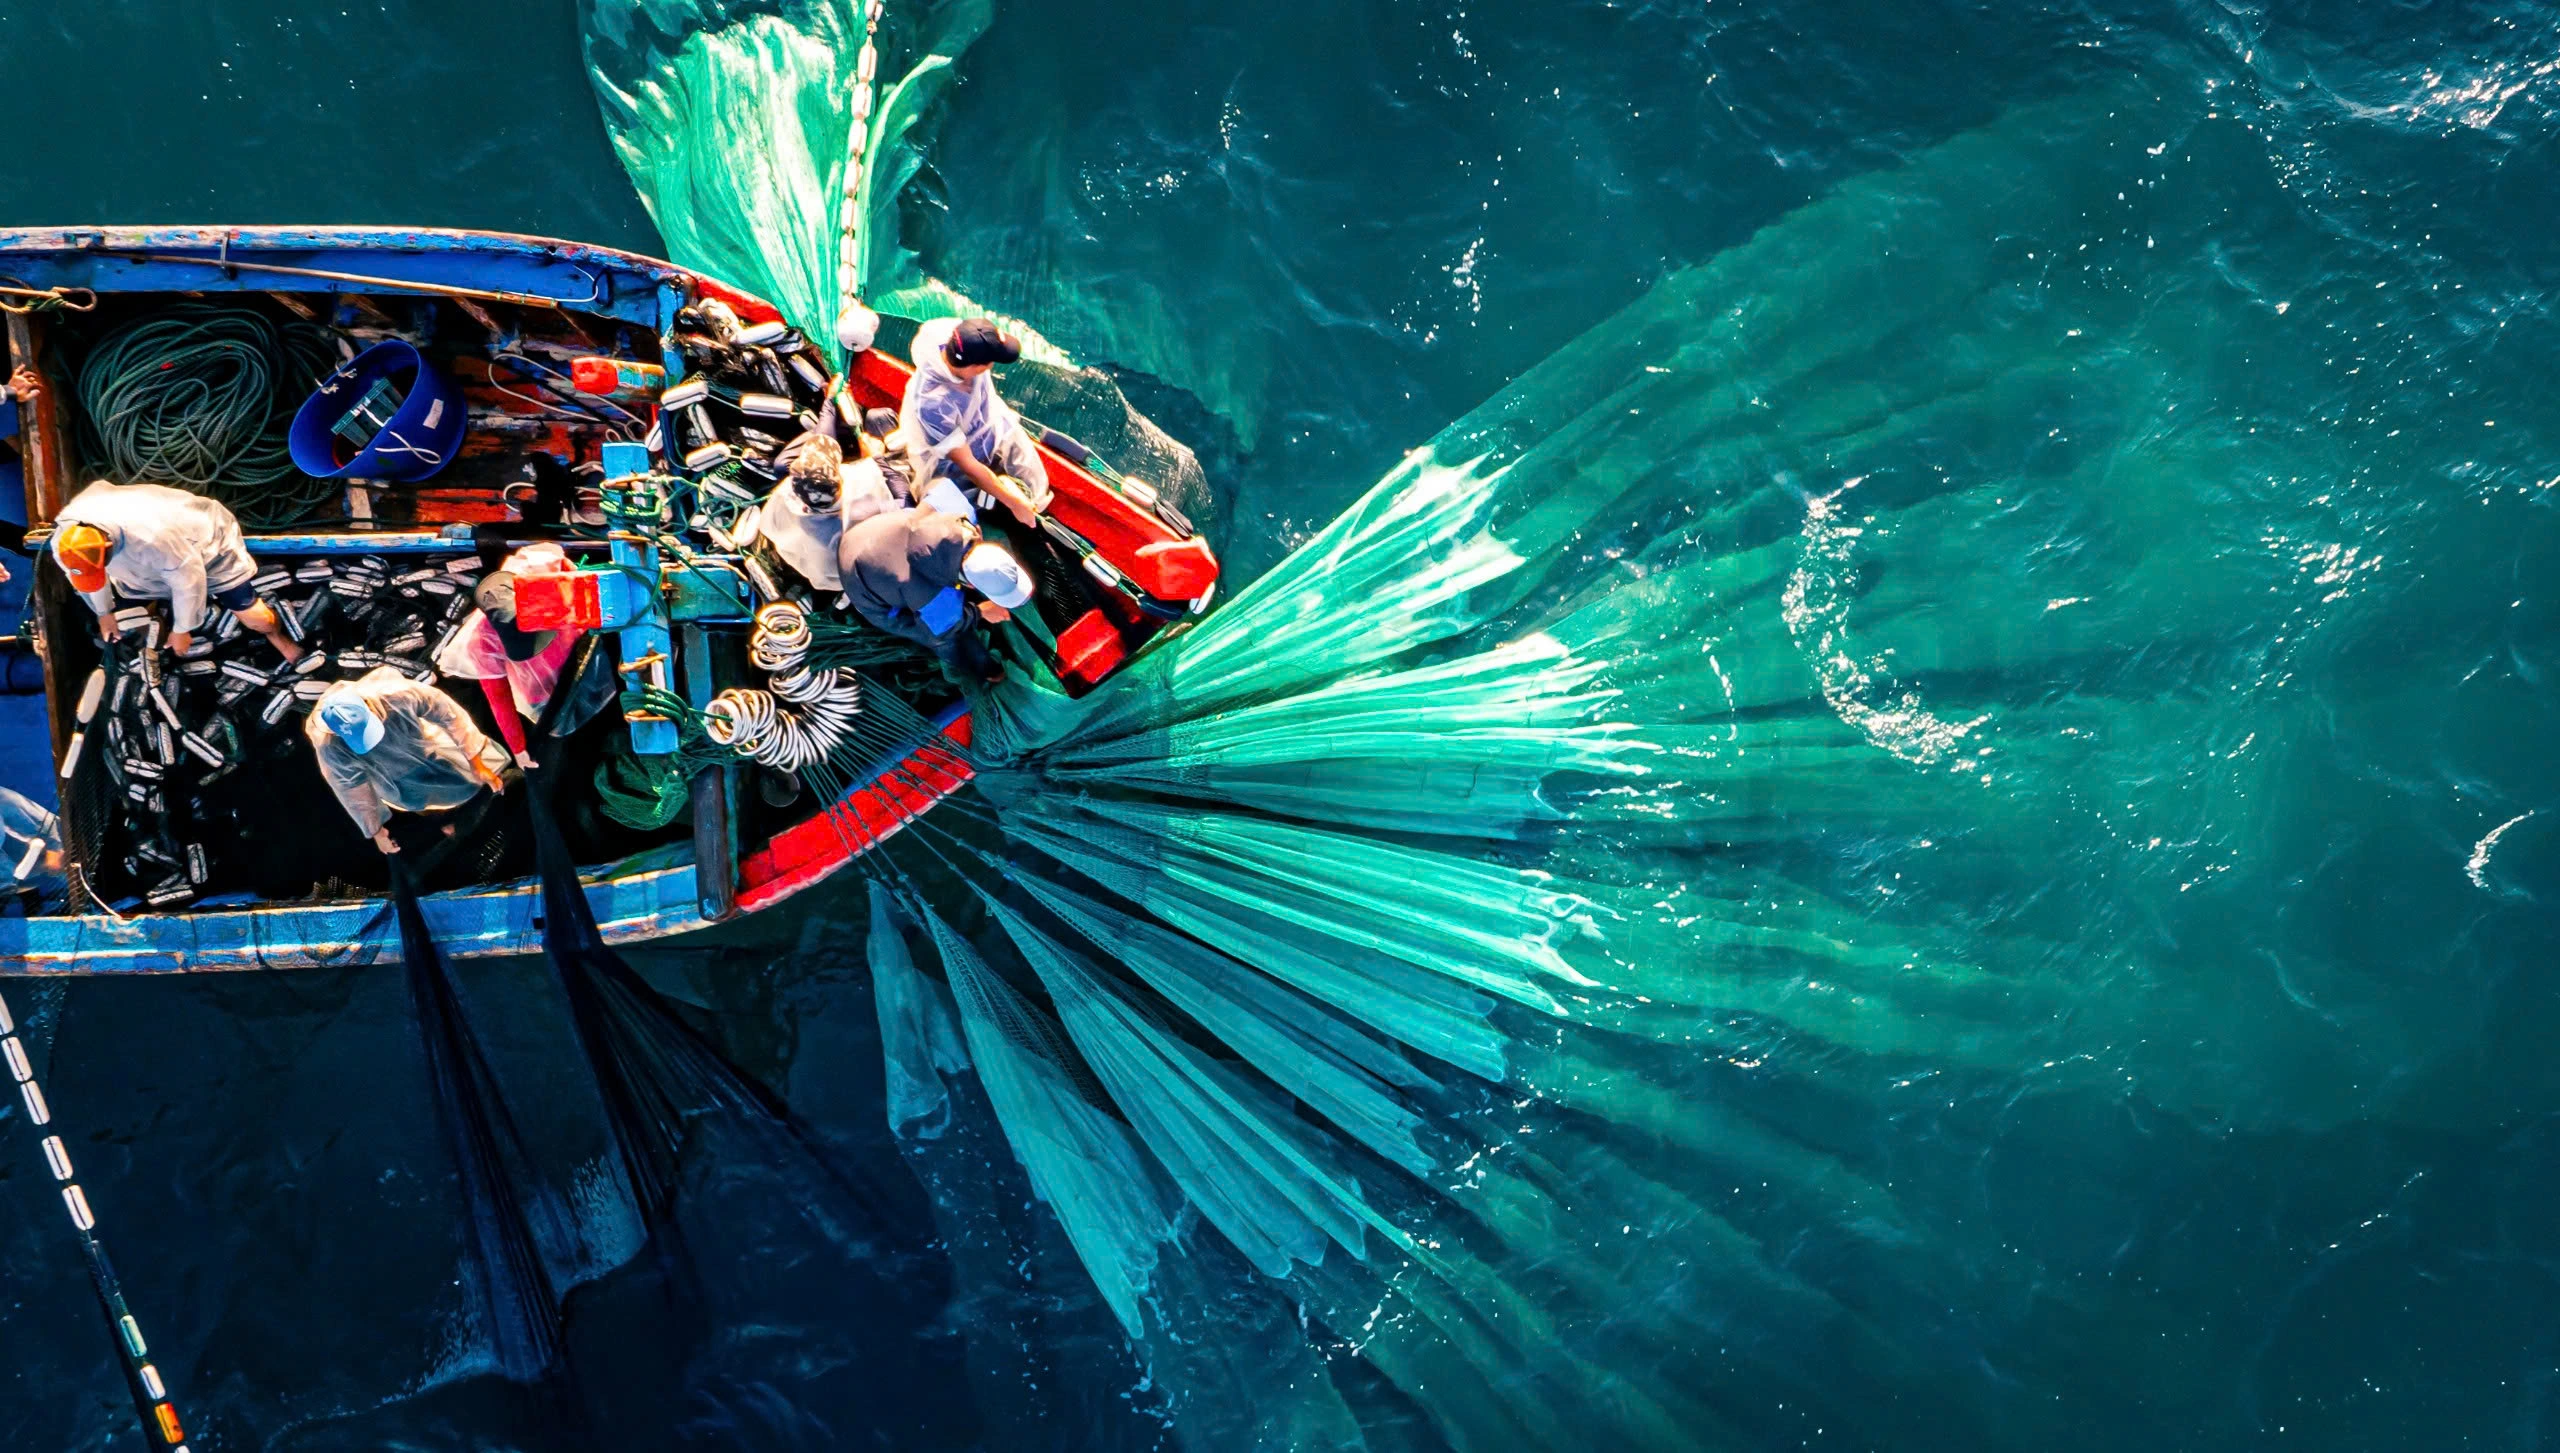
432	756
167	544
475	653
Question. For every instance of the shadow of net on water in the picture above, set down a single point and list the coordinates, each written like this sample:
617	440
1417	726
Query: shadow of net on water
722	1278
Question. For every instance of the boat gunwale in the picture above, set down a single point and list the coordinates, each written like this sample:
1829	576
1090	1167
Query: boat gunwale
484	921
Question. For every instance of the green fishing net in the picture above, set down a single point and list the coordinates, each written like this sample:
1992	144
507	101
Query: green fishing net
741	123
1410	887
1373	938
737	121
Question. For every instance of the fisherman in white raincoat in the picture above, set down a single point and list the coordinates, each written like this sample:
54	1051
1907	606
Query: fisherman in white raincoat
957	428
150	542
388	744
823	494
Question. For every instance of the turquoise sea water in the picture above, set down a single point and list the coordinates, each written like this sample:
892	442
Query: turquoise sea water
2142	448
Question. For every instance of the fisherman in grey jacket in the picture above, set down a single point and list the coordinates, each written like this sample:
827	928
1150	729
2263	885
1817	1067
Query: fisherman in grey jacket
927	576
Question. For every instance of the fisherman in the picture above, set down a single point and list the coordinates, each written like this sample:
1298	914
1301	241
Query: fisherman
518	670
388	744
928	576
874	453
884	473
25	386
150	542
823	491
957	428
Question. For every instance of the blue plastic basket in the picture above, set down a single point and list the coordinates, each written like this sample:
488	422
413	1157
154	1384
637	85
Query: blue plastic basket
387	414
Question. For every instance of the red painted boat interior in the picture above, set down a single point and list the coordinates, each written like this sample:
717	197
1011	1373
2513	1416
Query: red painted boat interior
1168	565
802	855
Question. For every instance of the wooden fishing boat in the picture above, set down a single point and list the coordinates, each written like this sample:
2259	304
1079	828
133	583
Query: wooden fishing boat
503	316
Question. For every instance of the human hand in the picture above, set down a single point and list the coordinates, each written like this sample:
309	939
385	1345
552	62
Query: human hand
992	613
525	760
382	840
107	630
1018	501
25	383
181	643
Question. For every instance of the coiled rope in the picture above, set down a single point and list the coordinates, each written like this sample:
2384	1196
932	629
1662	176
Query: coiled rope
804	718
200	396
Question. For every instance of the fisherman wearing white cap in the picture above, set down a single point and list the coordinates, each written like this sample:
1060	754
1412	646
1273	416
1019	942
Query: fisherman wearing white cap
388	744
926	575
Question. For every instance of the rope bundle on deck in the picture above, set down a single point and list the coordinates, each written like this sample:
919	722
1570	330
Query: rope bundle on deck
200	396
804	717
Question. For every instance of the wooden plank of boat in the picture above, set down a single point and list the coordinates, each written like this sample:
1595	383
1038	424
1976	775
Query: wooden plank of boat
496	265
500	919
471	923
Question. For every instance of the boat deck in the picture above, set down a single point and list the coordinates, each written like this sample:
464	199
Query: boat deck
215	872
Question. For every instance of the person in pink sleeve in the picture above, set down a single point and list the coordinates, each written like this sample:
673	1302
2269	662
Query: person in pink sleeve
518	670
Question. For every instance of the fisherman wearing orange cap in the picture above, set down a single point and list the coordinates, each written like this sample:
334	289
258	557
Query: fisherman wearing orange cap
150	542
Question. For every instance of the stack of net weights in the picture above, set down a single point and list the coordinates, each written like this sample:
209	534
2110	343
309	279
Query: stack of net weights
750	390
180	733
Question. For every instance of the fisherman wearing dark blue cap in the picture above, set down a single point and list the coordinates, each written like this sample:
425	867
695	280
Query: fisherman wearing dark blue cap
954	425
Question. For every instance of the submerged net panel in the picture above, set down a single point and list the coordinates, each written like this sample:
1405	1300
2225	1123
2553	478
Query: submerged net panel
1526	763
519	1301
1084	1162
920	1040
1420	878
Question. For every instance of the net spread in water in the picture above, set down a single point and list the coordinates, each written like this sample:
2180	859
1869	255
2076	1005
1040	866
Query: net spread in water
1380	924
1374	904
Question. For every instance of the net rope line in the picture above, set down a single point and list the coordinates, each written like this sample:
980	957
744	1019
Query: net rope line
933	772
866	74
159	1413
810	721
17	297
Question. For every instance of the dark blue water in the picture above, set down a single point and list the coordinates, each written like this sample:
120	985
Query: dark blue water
2270	1160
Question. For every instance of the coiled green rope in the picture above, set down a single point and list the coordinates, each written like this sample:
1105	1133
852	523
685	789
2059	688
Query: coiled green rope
200	395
